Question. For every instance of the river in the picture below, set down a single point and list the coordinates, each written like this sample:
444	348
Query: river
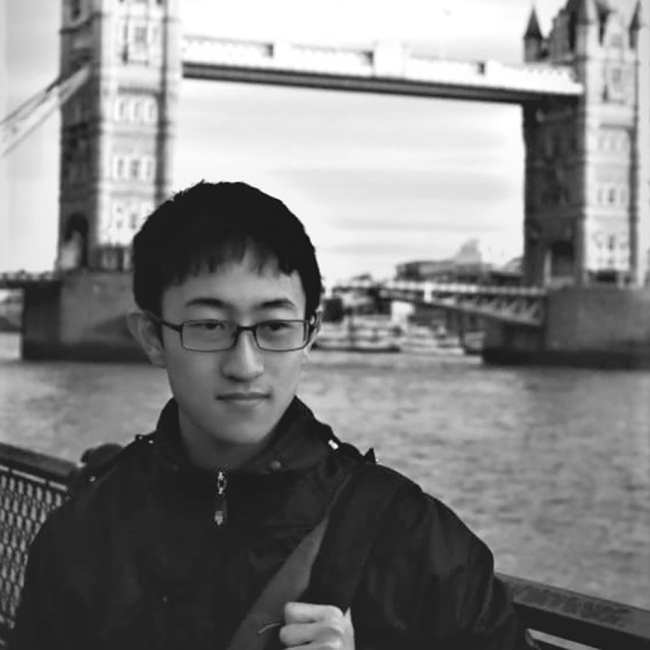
551	467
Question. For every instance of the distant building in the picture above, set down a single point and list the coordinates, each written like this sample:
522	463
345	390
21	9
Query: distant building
471	264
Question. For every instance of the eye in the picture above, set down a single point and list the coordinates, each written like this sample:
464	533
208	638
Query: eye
276	326
208	325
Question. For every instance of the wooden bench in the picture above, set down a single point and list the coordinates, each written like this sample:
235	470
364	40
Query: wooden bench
32	484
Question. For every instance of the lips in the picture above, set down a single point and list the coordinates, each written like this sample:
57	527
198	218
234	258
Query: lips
240	397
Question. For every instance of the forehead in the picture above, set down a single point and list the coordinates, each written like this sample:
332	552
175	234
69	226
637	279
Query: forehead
239	286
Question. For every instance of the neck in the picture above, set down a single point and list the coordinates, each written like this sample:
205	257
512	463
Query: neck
210	454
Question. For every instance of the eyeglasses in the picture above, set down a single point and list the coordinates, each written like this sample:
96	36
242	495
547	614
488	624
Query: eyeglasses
210	335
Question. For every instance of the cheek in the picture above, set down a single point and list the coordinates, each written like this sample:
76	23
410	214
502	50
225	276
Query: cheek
290	371
190	372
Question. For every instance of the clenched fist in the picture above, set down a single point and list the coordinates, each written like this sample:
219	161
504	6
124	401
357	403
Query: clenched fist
316	627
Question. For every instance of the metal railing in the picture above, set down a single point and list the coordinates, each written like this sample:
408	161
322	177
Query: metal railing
33	484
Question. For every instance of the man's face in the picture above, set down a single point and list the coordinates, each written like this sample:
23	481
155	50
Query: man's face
232	399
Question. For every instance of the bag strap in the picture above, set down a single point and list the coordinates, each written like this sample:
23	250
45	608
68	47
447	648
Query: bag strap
355	524
327	565
258	630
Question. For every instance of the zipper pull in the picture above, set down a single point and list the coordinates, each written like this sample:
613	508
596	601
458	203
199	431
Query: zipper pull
220	509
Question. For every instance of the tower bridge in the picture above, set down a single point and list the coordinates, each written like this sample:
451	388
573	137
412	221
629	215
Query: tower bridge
386	68
584	90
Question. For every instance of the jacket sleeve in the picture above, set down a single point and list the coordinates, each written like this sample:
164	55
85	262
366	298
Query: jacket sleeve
431	582
474	608
44	620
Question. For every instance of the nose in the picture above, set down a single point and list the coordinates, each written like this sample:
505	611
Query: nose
244	361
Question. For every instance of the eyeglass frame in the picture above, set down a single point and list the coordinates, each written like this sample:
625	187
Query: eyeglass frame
310	327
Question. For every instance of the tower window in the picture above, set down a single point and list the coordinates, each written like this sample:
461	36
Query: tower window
140	35
119	167
75	9
135	168
152	110
137	110
134	217
149	168
611	196
121	111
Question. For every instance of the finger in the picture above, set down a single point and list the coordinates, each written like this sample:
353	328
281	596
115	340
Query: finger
296	634
309	613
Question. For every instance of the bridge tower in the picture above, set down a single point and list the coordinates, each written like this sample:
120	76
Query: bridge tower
587	203
117	131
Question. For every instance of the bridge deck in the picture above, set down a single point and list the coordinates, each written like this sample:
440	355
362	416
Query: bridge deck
384	69
21	279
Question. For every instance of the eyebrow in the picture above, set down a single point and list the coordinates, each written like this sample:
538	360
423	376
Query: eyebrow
276	303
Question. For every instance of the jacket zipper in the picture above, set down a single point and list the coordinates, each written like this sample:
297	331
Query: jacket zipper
220	506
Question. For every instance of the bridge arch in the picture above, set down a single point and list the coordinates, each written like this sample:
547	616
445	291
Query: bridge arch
74	251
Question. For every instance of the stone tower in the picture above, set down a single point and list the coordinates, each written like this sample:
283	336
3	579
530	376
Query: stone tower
117	131
587	203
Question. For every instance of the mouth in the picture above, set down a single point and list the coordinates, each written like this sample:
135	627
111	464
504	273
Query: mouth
243	398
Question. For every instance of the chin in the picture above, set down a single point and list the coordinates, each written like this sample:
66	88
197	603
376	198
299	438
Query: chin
241	436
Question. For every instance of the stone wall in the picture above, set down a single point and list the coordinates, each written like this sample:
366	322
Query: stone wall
82	318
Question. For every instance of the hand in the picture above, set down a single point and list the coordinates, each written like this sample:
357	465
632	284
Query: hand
317	627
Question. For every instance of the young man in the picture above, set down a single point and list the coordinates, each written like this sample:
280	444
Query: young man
174	542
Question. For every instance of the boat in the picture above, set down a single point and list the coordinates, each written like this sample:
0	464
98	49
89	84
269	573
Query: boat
424	340
472	342
353	335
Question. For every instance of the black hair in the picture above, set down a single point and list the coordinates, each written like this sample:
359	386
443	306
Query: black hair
208	224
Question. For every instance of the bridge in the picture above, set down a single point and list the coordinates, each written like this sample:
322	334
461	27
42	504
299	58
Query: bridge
22	279
584	91
386	68
523	306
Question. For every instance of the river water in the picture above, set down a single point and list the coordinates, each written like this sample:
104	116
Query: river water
551	467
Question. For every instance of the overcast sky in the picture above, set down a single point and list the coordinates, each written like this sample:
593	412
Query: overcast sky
377	180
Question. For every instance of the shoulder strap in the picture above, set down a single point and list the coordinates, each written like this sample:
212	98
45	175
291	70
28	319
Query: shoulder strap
327	565
355	523
258	630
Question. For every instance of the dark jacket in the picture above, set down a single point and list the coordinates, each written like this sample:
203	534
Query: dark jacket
136	560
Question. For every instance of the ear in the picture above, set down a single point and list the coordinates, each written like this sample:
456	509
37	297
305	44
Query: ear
318	316
145	332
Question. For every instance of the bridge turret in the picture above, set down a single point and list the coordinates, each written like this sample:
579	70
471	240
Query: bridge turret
116	133
534	43
582	225
639	35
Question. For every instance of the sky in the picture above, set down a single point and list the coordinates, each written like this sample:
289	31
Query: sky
377	180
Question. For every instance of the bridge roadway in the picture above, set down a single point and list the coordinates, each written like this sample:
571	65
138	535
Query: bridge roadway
387	68
22	279
518	305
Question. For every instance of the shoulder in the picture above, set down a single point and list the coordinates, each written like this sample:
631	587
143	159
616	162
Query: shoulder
419	525
108	475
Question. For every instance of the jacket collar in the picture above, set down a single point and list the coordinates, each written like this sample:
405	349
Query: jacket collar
298	443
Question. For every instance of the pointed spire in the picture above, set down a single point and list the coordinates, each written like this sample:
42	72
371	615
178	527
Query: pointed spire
638	18
533	30
587	12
